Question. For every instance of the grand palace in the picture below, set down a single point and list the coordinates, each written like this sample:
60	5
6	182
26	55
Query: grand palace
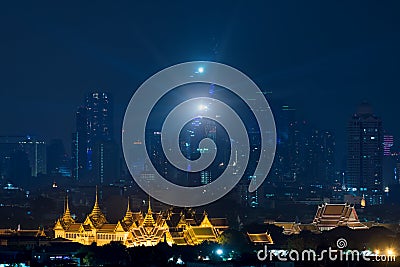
173	226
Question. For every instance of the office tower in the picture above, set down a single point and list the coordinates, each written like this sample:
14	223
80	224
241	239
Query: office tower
106	162
192	134
19	170
205	177
156	154
99	118
14	163
397	173
281	171
36	152
365	151
76	168
387	144
321	158
94	132
8	144
79	147
389	161
298	147
22	157
57	159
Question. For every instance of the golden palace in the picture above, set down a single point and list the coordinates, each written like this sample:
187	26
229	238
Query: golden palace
174	226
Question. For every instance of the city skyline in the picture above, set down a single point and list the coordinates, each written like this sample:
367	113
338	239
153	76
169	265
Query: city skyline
55	61
188	133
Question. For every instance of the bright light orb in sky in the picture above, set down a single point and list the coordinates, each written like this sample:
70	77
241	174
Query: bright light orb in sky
203	107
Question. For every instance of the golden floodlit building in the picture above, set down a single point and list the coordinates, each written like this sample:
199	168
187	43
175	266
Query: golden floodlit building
174	226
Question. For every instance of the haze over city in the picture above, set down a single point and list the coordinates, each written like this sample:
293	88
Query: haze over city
73	192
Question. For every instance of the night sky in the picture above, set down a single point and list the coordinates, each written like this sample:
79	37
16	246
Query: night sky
322	57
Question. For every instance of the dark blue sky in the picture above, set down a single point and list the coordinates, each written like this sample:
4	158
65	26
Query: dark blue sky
323	57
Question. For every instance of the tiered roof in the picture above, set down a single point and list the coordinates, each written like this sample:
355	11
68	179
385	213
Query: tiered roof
329	216
176	225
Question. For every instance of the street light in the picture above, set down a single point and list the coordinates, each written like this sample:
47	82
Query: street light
219	252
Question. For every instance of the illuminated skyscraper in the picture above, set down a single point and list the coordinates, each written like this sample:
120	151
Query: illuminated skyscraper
99	117
389	161
365	151
94	133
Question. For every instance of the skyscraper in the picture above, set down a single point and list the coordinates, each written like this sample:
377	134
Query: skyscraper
321	158
36	152
93	138
389	161
57	160
80	145
22	157
365	151
387	144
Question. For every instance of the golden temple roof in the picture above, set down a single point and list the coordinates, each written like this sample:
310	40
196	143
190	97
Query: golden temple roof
97	217
264	238
149	220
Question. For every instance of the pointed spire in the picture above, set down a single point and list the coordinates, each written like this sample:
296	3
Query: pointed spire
149	209
148	219
67	218
128	214
66	208
96	216
96	207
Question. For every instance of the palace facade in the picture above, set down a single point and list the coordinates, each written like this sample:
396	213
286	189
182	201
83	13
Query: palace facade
173	226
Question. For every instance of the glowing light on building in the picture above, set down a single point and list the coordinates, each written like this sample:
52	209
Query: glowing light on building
387	144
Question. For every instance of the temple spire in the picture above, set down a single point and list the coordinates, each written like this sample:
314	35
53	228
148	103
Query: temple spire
128	214
67	213
148	219
149	209
96	207
97	217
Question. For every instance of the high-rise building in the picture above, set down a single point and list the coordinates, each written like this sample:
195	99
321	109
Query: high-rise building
80	145
389	161
22	157
397	173
36	151
57	159
94	132
321	158
99	117
8	145
192	134
365	151
105	162
387	144
283	167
